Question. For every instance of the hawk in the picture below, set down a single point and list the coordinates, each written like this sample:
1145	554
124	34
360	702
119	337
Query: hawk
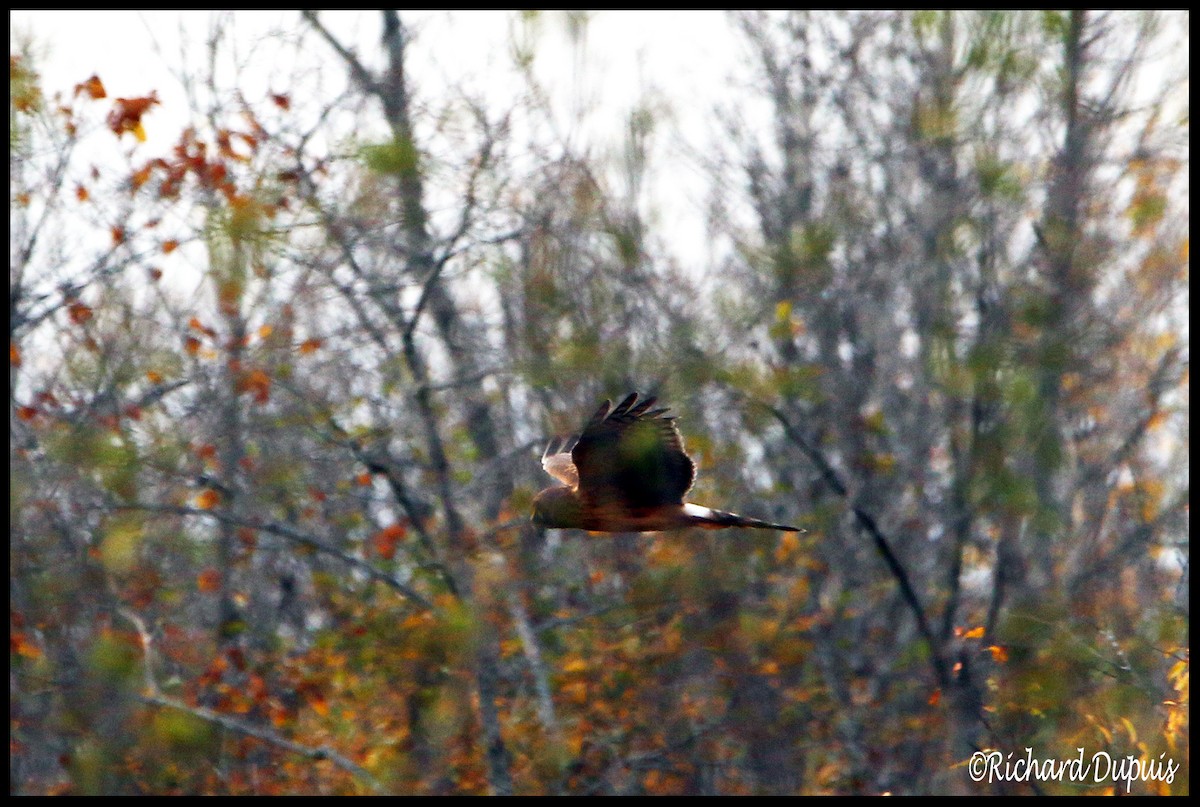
628	472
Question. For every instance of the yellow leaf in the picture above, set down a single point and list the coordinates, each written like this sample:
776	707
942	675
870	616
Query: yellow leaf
788	543
1104	732
575	743
974	633
576	692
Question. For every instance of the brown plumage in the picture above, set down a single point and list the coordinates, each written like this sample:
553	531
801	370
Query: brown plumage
628	472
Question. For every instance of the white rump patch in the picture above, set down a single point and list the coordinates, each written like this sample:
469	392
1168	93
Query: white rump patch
696	511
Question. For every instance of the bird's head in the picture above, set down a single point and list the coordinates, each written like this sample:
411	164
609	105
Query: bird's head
557	507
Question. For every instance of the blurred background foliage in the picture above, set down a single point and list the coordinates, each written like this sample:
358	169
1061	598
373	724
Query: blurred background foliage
278	391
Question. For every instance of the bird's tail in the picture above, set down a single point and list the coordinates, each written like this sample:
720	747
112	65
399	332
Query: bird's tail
711	519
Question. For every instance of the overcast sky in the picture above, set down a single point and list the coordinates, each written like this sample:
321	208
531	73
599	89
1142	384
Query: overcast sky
685	58
691	60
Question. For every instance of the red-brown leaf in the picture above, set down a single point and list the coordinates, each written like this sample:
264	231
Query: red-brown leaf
127	113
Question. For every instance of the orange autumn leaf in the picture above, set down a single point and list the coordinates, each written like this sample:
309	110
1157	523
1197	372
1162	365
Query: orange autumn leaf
207	451
247	537
26	413
265	331
279	716
14	354
935	698
79	313
249	139
169	246
208	580
154	377
20	644
974	633
281	101
257	689
93	87
385	540
141	176
575	692
258	383
191	344
318	703
999	654
196	325
118	235
81	193
207	499
309	346
363	480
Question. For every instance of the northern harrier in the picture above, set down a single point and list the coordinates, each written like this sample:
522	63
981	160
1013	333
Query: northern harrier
628	472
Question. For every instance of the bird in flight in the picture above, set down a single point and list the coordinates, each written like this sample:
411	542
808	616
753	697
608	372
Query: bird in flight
628	472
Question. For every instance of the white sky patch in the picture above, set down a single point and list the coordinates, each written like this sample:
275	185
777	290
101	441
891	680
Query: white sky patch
682	62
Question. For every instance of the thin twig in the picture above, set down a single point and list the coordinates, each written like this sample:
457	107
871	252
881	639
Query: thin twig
154	697
284	531
267	736
867	522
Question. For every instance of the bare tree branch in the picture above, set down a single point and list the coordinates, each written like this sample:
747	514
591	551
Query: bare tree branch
284	531
266	735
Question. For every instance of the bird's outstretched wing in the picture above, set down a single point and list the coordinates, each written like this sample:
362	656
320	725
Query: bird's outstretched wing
558	463
632	457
